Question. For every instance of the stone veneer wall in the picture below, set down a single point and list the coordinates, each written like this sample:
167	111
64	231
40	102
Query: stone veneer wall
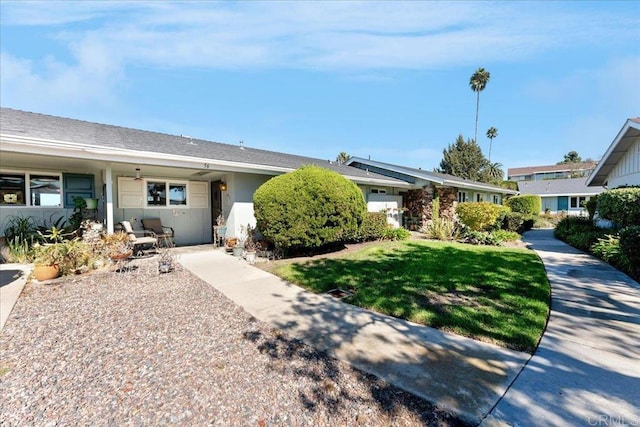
419	203
448	202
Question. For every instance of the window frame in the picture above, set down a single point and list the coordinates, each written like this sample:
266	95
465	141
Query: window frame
27	176
168	183
580	201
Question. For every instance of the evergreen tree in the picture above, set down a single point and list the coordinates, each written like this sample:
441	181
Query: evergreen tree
571	157
465	160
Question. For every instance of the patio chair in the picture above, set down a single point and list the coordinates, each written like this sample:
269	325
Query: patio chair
163	233
139	242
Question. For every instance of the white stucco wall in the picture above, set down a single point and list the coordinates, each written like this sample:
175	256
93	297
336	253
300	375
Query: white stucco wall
237	201
627	170
387	203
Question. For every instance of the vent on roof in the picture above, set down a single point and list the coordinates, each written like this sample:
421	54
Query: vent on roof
241	145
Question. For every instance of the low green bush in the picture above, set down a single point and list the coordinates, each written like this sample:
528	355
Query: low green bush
579	232
505	236
396	234
571	225
585	240
620	205
512	221
607	248
479	216
474	237
442	229
630	246
373	227
527	204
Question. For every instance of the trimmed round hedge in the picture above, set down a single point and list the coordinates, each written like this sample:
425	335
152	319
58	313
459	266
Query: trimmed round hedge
479	216
308	208
526	204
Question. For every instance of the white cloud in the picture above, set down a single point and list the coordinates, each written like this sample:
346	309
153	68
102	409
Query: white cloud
325	35
101	39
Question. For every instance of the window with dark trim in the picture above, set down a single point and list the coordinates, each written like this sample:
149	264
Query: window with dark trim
12	189
30	189
45	190
166	193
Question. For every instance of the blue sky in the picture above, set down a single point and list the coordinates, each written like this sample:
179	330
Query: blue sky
389	80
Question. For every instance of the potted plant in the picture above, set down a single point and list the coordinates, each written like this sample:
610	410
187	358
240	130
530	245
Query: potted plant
165	261
46	260
250	245
238	248
117	245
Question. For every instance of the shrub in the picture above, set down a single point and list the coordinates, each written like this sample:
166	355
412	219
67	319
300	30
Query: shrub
513	221
591	206
21	230
441	229
373	227
396	234
585	240
572	225
505	236
621	205
579	232
527	204
630	246
479	237
308	208
478	216
607	248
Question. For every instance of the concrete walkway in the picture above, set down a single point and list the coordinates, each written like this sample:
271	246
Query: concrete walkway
586	370
12	280
458	374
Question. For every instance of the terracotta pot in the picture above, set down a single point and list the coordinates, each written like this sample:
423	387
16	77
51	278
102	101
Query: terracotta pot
116	256
46	272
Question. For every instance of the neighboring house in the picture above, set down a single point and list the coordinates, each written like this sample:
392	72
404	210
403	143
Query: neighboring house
620	164
46	161
417	200
561	195
561	171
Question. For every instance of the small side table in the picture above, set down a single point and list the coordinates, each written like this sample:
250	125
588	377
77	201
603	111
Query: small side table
219	233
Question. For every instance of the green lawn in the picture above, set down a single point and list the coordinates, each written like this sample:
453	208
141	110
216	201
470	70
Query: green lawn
493	294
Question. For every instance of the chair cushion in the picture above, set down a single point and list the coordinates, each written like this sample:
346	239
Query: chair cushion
127	227
153	224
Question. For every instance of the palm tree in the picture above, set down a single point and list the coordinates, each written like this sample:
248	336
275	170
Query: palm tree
478	82
491	133
495	172
342	158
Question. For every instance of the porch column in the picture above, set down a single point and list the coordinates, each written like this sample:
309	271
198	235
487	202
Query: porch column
108	180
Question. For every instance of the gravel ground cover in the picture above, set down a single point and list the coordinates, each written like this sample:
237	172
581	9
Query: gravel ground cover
138	348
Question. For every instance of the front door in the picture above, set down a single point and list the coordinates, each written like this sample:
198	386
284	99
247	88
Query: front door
216	202
563	203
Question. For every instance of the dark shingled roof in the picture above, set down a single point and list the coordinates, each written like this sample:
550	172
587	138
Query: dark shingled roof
558	187
426	175
35	125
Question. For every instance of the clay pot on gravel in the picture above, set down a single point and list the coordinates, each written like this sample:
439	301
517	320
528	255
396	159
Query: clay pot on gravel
46	272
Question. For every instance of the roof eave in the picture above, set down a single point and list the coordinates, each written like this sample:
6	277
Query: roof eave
599	175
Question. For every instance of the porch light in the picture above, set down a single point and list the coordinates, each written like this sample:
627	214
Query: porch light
138	177
223	186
